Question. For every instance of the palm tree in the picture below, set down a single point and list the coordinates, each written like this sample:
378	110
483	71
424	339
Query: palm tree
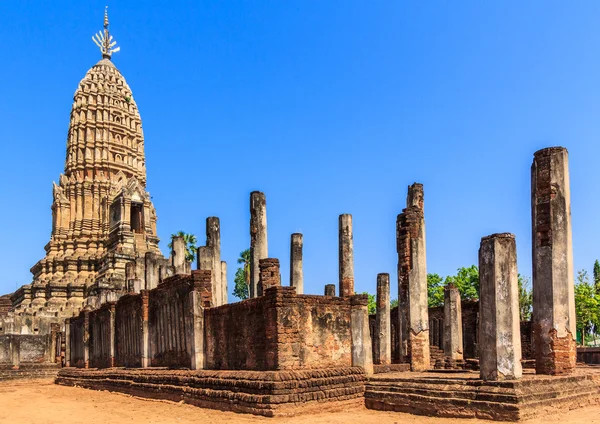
242	276
190	244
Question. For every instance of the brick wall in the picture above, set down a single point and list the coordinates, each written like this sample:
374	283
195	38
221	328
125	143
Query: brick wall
167	327
279	331
236	336
5	305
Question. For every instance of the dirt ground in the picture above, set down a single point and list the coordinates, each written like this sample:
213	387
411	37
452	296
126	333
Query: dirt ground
42	402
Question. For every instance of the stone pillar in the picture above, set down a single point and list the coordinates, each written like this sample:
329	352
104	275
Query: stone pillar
145	296
554	319
383	351
329	289
205	262
112	311
413	313
362	350
499	326
195	330
453	335
68	342
224	287
296	274
131	277
15	351
213	240
269	274
178	259
346	256
258	238
151	270
86	339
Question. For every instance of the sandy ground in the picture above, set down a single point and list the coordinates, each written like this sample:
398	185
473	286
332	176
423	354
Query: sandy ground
42	402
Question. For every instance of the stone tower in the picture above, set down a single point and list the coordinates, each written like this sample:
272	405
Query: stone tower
102	215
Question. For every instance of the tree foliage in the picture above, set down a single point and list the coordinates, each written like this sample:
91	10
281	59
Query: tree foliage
241	288
190	245
466	281
525	298
587	304
372	303
435	290
597	276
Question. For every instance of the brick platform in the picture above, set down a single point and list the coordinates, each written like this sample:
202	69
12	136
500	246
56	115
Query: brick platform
380	369
465	395
267	393
31	371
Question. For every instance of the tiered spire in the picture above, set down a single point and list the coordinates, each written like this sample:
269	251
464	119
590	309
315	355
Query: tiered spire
104	40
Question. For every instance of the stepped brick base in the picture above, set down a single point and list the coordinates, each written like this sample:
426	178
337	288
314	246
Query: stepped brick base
268	393
465	395
29	371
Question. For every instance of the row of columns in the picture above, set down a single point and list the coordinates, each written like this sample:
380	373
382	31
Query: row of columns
500	349
554	319
259	250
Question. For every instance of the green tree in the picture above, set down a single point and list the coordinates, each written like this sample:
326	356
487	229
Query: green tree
394	303
241	288
190	245
525	298
587	304
435	290
466	281
372	303
597	276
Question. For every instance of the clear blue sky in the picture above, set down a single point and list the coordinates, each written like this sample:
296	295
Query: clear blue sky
328	107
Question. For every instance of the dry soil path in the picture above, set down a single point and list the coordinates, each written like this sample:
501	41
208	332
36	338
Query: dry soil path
42	402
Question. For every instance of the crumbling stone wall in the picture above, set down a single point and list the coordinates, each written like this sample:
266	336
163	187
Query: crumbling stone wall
588	355
279	331
170	321
102	333
78	339
18	350
160	327
131	324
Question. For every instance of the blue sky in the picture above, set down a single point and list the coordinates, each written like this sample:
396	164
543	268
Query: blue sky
328	107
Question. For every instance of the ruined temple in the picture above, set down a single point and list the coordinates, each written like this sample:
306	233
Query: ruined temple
102	216
114	314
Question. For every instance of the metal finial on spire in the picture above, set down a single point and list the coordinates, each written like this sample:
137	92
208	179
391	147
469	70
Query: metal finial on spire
106	17
104	40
